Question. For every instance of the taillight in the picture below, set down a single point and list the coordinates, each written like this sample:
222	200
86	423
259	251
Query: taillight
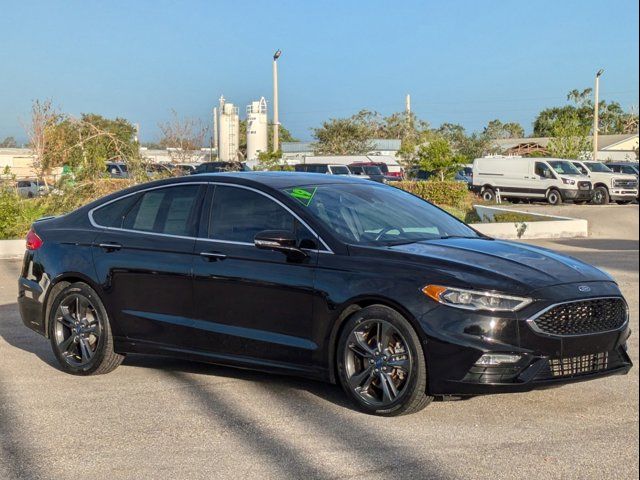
34	242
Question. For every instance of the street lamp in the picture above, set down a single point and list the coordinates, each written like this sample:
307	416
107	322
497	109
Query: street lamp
276	122
596	120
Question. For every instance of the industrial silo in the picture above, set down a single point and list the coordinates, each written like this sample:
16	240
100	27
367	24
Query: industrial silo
229	132
256	130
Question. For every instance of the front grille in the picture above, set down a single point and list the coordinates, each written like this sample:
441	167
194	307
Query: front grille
584	185
569	366
583	318
630	184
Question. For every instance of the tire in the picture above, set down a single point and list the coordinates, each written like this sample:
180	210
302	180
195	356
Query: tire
79	332
601	196
361	363
488	195
514	200
554	197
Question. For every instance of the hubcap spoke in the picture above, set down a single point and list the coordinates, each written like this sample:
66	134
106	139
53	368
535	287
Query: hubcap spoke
85	349
358	380
64	346
383	335
399	362
359	345
389	389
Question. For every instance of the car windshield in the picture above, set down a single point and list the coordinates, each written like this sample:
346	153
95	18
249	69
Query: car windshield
598	167
564	167
340	170
377	215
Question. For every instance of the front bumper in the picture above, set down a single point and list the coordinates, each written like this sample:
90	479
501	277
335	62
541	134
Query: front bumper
579	195
456	339
623	195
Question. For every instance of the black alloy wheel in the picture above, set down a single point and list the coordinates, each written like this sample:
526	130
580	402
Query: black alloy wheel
601	196
79	332
381	363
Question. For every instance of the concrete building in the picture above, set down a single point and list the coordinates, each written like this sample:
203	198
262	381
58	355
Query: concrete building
610	147
295	152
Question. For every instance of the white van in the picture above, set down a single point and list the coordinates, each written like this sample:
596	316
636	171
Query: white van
554	179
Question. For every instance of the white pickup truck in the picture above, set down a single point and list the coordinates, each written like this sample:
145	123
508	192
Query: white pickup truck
608	185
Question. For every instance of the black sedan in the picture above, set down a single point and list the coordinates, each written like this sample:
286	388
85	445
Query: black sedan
333	278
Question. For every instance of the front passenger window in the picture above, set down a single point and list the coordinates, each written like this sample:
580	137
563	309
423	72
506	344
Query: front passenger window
238	214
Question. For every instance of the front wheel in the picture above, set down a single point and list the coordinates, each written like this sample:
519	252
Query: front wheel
80	333
601	196
554	197
381	364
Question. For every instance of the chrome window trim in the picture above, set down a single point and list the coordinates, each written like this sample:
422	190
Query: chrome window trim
535	328
326	249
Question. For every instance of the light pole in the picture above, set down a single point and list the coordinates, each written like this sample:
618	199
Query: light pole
596	120
276	121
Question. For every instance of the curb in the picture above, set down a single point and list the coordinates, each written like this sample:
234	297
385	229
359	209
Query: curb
549	227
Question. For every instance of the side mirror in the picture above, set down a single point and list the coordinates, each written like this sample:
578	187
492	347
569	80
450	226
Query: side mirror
279	241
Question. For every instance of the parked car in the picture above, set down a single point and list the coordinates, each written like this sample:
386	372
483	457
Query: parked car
154	170
369	170
311	275
608	185
323	168
221	167
30	188
552	179
630	168
392	172
117	170
465	175
181	169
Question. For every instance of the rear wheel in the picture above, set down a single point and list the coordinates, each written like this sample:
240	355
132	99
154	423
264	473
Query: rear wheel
554	197
381	364
601	196
80	333
488	195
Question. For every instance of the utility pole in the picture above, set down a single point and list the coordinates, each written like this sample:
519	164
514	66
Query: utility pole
408	104
276	120
596	120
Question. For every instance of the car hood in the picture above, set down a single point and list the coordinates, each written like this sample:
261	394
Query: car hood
499	265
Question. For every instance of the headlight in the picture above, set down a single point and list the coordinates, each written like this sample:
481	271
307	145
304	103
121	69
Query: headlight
473	300
568	181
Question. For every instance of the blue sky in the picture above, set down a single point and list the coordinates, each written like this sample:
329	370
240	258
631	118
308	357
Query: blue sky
462	61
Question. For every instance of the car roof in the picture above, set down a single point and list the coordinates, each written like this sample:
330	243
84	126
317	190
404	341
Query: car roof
280	180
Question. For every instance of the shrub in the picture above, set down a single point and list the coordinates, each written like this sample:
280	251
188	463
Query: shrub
17	214
447	193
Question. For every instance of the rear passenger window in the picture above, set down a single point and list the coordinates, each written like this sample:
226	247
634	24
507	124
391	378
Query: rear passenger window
172	211
111	215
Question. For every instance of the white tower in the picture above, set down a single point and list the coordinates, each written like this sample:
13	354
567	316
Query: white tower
257	130
229	134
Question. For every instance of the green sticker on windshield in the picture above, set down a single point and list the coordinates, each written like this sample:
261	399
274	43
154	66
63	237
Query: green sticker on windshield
303	195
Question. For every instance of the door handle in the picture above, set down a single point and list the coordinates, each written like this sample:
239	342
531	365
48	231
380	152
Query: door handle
213	256
110	247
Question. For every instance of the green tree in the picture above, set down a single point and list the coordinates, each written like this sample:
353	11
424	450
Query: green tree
612	117
467	147
496	130
438	157
342	136
8	142
569	137
85	144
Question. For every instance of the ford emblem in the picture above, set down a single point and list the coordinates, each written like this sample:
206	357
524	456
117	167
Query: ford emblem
584	288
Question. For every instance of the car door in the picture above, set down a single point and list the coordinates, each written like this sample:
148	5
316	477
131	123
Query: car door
545	179
144	260
253	305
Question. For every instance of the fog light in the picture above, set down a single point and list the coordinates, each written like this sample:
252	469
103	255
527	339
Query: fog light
489	359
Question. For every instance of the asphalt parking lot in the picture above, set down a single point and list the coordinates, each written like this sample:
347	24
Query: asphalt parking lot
162	418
